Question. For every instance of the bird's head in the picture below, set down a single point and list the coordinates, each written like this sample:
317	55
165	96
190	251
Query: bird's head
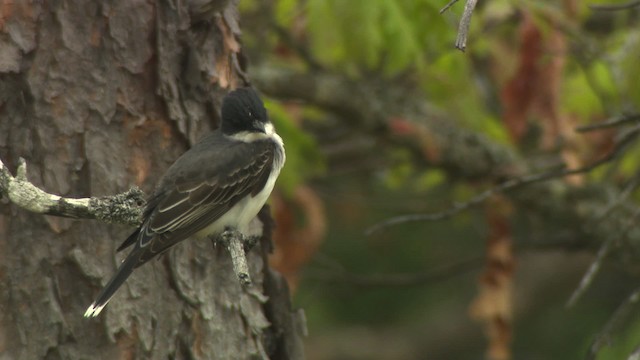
243	111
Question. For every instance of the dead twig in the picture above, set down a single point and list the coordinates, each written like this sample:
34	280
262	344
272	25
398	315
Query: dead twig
615	7
615	322
124	208
397	279
614	122
508	185
465	22
595	266
446	7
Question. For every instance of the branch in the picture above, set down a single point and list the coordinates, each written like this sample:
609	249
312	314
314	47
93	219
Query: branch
398	279
620	146
465	23
615	7
373	107
124	208
336	273
611	123
594	268
233	240
619	316
446	7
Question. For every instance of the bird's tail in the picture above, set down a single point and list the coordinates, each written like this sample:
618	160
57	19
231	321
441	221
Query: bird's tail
116	281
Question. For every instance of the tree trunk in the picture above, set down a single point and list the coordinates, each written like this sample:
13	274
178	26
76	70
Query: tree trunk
97	97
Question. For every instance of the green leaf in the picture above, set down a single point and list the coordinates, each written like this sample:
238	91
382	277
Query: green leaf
285	11
579	97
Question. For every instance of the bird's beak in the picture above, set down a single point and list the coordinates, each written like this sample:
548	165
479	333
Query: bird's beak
259	125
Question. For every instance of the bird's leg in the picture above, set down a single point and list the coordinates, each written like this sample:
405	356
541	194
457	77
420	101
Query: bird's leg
233	240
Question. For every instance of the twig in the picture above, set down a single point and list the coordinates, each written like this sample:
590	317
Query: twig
614	122
615	7
398	279
635	354
620	315
511	184
590	274
446	7
465	22
588	277
124	208
337	273
631	186
234	242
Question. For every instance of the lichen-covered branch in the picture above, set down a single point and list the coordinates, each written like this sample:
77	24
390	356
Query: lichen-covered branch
124	208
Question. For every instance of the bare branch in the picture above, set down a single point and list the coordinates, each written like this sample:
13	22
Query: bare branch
233	240
619	316
446	7
436	140
594	268
590	274
614	122
124	208
615	7
508	185
399	279
624	195
465	23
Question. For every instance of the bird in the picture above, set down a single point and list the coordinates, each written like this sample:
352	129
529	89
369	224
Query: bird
221	183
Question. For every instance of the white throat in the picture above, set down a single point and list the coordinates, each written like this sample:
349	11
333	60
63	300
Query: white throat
249	136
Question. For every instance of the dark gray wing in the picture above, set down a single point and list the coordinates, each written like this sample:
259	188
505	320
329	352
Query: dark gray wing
198	189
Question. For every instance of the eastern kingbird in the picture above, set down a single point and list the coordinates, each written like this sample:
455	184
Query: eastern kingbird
221	182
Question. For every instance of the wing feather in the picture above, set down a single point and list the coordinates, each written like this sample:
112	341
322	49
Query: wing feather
190	202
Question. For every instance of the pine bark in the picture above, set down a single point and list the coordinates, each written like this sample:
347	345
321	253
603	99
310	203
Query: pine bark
98	97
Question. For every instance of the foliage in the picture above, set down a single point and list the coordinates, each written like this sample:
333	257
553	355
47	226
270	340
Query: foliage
534	71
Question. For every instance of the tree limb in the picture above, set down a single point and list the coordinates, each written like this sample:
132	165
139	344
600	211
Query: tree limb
124	208
373	106
611	123
396	279
621	315
621	145
615	7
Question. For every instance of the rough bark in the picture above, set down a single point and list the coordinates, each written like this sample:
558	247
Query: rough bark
97	97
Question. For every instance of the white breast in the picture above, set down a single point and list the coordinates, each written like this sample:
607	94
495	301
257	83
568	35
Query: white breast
245	210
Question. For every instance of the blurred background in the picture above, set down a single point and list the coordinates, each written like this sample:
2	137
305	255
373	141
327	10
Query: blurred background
440	204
